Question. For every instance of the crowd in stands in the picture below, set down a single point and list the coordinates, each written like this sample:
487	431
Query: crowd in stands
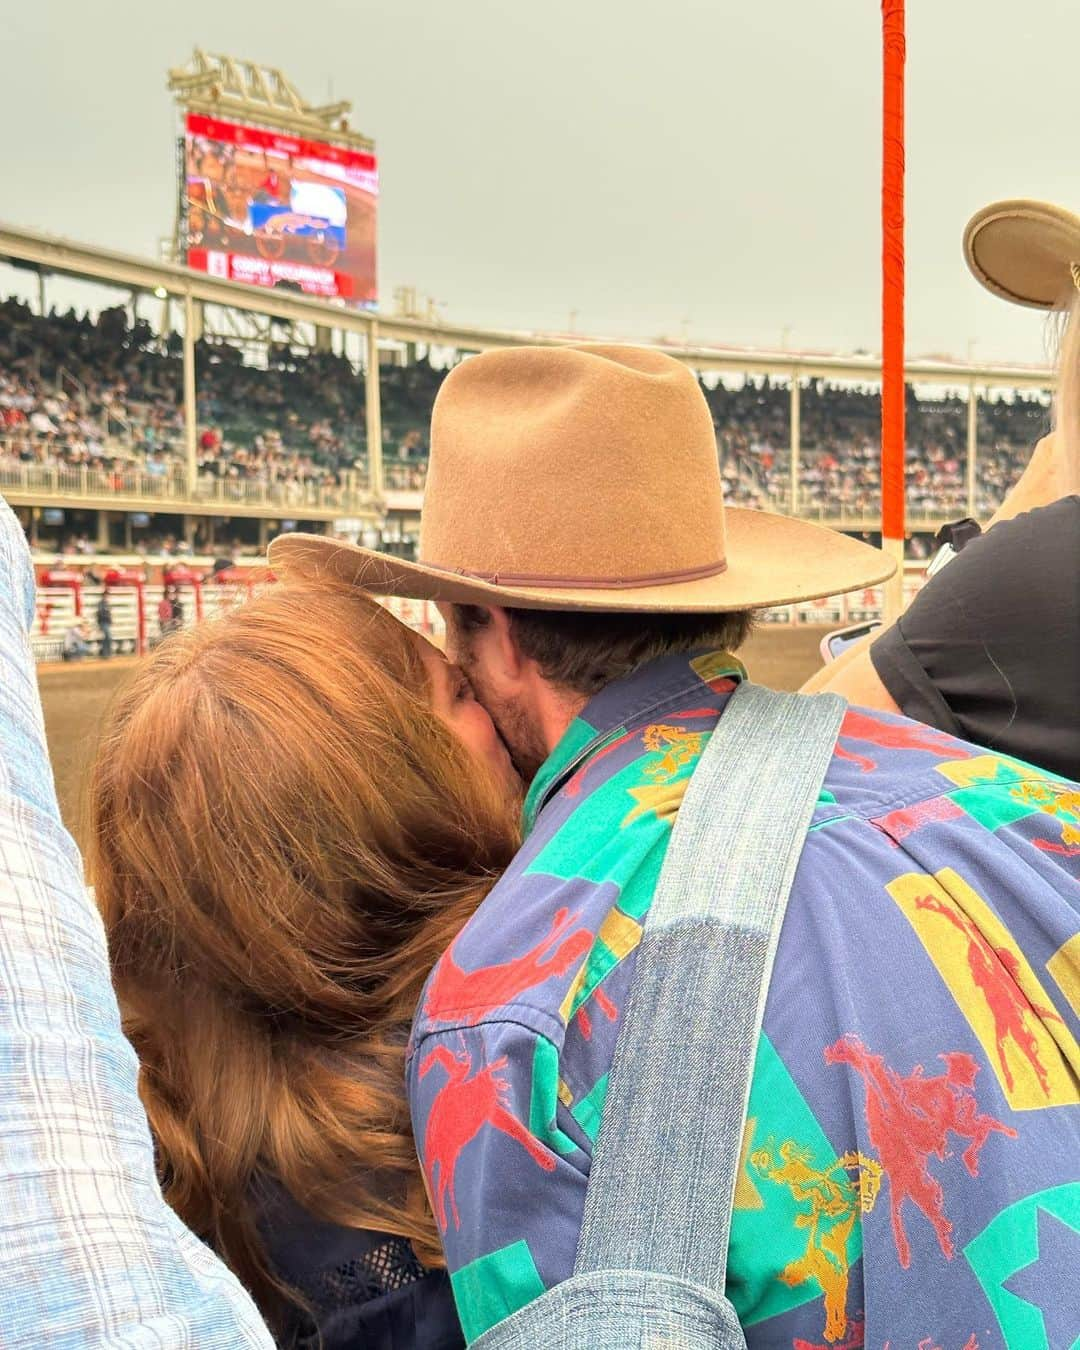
78	544
106	393
840	447
77	391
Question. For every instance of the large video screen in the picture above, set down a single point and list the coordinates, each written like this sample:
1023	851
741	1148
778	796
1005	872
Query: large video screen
276	210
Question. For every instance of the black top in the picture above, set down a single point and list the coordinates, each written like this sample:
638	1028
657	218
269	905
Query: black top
990	648
366	1290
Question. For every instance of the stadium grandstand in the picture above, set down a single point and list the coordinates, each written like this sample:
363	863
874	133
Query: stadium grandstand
160	429
192	419
107	394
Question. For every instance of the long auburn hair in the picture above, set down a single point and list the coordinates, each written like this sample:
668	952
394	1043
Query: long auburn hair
284	838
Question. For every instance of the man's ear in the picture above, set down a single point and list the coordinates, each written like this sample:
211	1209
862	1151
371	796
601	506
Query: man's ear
503	646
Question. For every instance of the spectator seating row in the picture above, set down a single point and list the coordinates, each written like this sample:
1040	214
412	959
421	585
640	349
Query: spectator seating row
105	393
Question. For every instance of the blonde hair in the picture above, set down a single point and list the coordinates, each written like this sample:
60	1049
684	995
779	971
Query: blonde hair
1067	398
284	839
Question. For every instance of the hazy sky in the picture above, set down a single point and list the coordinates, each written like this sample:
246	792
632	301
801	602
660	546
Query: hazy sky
680	167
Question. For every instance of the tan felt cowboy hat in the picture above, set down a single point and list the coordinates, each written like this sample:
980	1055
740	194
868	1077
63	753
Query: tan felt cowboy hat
587	478
1025	251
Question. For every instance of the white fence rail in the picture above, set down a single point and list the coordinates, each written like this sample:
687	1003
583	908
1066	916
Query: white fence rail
136	625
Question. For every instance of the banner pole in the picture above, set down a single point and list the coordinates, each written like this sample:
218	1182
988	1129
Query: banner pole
893	395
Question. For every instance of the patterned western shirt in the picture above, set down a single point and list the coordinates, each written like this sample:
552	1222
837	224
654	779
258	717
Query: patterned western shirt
910	1169
90	1254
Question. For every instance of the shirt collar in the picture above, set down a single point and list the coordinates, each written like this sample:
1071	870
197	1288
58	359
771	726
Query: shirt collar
623	703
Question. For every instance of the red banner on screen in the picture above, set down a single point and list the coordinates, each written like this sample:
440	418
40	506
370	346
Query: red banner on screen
233	133
276	210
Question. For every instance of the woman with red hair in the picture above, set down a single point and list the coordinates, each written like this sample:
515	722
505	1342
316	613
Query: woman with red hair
293	810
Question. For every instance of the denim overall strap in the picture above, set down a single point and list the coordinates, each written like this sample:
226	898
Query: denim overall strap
664	1170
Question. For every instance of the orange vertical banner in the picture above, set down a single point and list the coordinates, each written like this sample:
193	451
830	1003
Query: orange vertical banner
892	272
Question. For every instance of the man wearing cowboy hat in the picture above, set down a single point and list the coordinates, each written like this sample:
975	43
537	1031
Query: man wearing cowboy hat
919	1033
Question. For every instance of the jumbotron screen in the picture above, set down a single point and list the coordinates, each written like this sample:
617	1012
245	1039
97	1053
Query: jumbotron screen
277	210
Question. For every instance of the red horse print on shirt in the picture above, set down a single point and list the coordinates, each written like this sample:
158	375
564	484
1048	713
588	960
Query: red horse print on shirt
860	726
908	1119
995	972
466	997
605	1005
463	1107
573	787
897	825
855	1339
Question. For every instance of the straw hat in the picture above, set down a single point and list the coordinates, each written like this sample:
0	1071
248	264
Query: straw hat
587	478
1025	251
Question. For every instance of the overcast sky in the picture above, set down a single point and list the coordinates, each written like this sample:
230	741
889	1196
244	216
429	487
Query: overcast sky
695	168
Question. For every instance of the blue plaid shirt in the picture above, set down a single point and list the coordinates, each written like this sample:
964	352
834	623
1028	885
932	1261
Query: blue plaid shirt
90	1254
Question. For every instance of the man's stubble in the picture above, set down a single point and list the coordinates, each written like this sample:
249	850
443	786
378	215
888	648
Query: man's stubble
520	733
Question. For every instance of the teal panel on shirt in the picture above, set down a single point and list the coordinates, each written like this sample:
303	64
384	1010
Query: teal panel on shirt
589	1110
827	798
544	1099
595	846
993	804
574	739
494	1286
771	1230
1009	1244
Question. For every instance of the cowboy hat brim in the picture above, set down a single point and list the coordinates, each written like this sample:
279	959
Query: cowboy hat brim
1023	251
773	560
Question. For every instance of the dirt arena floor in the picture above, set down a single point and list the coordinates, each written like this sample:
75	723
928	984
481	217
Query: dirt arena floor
75	699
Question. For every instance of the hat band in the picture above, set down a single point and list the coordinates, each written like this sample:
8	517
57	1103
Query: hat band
584	583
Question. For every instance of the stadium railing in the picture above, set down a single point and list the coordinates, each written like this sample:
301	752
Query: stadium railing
136	627
173	490
403	491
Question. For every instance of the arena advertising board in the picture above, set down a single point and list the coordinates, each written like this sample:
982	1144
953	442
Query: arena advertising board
277	210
